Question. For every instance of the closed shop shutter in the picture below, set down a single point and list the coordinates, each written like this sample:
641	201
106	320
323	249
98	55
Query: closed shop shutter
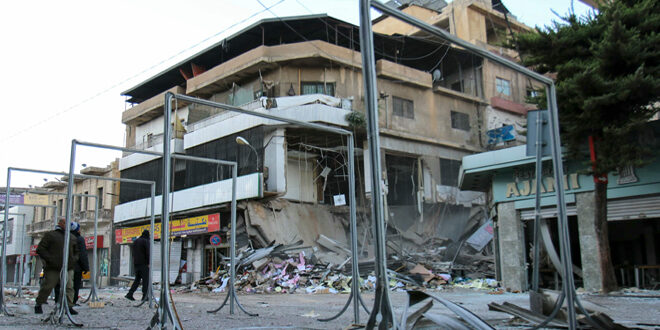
617	209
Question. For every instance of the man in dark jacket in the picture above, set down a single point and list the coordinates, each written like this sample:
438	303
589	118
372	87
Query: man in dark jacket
81	266
83	263
141	263
51	251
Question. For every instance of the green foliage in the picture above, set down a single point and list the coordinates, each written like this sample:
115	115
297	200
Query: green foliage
607	68
356	119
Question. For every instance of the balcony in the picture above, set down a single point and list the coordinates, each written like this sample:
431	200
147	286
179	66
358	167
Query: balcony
88	216
149	109
41	227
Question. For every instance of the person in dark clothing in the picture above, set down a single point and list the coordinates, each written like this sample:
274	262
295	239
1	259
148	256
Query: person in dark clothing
83	263
81	266
51	250
141	262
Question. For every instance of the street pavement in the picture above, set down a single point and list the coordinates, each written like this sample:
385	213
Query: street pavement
301	310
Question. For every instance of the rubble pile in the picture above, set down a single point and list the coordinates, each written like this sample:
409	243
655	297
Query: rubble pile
327	269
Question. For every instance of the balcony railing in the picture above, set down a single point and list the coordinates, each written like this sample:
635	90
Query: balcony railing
40	227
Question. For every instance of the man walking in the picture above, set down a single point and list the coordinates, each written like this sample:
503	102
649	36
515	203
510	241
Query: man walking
83	263
51	250
141	263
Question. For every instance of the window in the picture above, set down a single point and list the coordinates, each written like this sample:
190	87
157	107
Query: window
60	203
317	88
460	121
84	201
449	169
78	203
99	195
402	107
457	86
503	86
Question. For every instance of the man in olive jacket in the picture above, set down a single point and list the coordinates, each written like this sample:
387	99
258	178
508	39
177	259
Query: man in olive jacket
51	251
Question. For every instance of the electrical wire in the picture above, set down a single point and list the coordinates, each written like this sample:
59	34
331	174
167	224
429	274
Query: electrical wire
382	53
108	89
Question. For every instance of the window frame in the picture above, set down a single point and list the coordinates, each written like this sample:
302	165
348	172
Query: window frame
324	86
500	87
405	112
457	120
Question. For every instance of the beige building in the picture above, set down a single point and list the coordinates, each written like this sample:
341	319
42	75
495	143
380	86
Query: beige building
309	68
489	24
98	192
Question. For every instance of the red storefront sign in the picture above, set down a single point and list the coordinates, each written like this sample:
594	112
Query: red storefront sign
214	222
118	236
89	242
33	250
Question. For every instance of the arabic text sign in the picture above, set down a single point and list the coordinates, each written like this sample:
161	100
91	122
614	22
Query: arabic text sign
35	199
13	198
188	226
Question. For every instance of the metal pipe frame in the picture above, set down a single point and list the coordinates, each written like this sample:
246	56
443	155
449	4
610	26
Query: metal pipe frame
555	140
92	291
57	316
355	285
537	200
382	313
165	311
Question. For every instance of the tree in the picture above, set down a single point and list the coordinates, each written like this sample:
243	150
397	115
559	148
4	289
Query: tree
607	68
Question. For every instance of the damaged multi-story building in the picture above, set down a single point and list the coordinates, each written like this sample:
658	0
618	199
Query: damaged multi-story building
436	103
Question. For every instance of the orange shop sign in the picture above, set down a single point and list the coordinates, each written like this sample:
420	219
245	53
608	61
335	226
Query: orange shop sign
196	225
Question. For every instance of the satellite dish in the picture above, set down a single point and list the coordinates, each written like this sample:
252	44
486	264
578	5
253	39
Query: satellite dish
437	75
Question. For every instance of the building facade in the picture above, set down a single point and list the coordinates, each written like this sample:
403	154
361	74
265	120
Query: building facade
17	243
92	195
633	201
307	68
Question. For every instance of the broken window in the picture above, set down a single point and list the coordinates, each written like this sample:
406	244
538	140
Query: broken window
503	86
317	87
402	107
457	86
449	169
532	93
460	120
402	180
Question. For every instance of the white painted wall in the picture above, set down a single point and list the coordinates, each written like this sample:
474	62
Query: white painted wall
224	124
18	224
247	186
155	126
498	118
275	160
135	159
300	180
125	259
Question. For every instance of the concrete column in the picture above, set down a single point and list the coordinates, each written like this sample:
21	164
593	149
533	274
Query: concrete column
275	160
512	248
589	254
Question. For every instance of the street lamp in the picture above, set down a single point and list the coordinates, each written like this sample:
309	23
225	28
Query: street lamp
242	141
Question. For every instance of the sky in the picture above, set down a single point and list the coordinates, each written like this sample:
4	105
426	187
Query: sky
66	63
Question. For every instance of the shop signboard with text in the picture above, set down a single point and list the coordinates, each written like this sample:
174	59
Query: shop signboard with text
189	226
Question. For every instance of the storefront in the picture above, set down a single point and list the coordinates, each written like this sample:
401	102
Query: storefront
197	245
633	213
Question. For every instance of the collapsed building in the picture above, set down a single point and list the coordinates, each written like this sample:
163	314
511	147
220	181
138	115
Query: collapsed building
434	104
